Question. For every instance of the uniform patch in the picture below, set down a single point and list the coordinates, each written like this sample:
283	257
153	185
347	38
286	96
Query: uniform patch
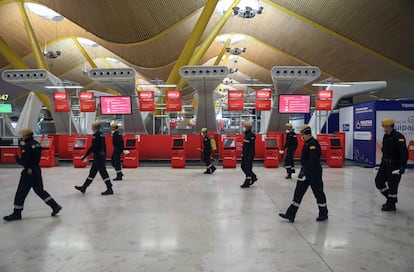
401	140
312	147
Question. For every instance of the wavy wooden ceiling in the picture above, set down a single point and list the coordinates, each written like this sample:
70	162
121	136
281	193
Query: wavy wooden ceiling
352	40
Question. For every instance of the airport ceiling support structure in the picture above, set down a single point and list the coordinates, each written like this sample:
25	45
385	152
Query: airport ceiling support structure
39	79
342	90
123	81
286	80
205	79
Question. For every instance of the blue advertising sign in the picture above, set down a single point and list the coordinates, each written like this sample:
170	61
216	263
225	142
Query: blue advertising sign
364	133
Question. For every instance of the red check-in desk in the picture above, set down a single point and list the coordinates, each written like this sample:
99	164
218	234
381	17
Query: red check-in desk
131	156
8	148
334	154
229	153
178	152
271	154
47	158
79	150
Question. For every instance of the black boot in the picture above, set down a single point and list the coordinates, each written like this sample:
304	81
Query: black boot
213	168
323	214
208	171
82	189
108	192
389	206
16	215
85	185
108	188
289	176
55	207
253	180
290	213
246	183
119	176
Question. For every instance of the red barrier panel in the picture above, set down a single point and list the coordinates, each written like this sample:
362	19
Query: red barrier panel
323	140
7	154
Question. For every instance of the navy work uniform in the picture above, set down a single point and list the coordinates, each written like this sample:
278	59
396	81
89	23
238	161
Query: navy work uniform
31	177
98	148
290	146
393	163
207	151
248	153
310	175
118	145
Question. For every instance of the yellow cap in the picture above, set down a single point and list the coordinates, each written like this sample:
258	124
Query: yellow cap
288	125
305	129
247	124
96	125
387	121
27	132
204	130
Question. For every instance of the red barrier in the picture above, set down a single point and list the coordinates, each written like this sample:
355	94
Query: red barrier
323	140
7	154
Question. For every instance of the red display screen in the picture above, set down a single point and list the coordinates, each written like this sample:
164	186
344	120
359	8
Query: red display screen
294	103
116	105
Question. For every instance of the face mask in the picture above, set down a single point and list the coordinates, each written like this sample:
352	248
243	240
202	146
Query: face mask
287	131
303	137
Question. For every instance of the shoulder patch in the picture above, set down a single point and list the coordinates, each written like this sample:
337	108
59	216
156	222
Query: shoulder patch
401	140
312	147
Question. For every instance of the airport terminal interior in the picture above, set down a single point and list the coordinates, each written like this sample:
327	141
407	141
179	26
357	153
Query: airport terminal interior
177	79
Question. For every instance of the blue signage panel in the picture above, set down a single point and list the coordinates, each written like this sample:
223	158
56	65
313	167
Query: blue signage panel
364	133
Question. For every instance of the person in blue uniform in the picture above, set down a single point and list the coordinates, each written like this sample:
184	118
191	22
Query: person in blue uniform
310	175
209	146
118	145
248	153
394	160
31	177
98	148
290	146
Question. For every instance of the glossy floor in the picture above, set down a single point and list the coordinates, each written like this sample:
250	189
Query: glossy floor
163	219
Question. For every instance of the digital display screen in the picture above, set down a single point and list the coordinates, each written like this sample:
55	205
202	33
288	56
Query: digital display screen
229	143
294	103
130	143
178	142
335	142
116	105
271	143
5	108
80	143
45	143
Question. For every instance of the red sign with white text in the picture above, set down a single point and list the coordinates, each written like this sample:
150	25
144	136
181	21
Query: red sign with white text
60	96
235	105
263	105
86	96
87	106
174	94
174	105
61	106
146	105
235	94
324	105
146	95
325	94
264	94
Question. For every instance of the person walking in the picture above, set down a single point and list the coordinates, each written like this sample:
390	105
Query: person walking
118	144
310	175
31	177
290	146
394	160
98	148
209	146
248	153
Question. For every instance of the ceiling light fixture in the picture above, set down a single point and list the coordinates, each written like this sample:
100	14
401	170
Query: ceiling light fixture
245	9
331	85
